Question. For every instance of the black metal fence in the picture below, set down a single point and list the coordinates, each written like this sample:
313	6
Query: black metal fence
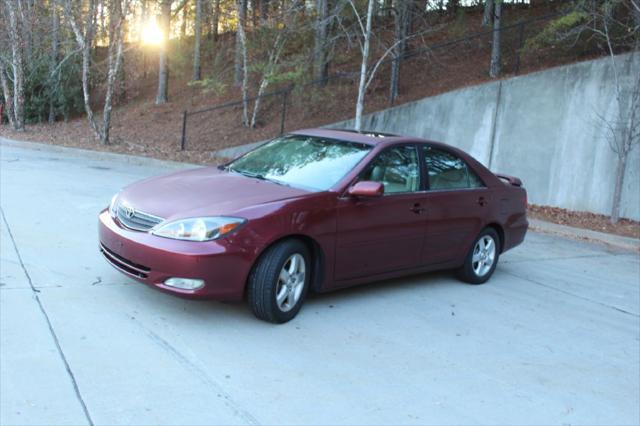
437	66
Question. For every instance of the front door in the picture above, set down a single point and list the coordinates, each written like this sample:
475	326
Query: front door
377	235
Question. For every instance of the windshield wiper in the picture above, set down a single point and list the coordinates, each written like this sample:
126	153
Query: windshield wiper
245	173
254	175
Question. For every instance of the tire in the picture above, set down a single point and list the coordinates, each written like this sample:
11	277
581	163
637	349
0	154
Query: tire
283	269
475	269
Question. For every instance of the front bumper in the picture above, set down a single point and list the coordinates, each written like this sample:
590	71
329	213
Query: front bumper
223	265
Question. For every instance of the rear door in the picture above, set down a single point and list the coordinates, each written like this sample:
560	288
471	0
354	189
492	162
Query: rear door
377	235
457	204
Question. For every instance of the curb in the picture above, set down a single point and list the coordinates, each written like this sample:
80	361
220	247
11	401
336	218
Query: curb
612	240
96	155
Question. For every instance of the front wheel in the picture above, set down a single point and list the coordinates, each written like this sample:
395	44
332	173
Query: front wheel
482	258
278	283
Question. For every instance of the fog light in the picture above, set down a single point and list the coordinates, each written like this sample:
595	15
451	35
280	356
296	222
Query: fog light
184	283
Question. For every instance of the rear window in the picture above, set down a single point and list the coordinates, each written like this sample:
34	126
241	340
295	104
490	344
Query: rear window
448	171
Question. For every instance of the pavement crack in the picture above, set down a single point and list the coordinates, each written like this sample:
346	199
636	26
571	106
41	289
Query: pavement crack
203	375
48	321
634	314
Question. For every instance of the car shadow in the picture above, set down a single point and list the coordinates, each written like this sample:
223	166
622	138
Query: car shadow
212	311
389	287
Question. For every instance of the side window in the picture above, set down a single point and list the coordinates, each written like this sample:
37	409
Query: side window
396	168
448	171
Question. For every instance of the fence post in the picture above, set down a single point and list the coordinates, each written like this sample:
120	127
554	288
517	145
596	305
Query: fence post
284	109
520	45
183	141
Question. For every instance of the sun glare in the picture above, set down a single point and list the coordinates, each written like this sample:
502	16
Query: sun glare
151	33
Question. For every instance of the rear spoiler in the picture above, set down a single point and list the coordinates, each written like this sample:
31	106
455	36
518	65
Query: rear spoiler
511	179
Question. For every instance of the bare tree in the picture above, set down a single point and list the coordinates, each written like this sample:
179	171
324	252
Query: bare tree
55	47
624	131
197	69
264	11
84	39
183	23
116	19
624	135
496	56
163	63
614	25
241	50
362	86
320	59
487	16
401	27
17	63
7	94
270	68
283	28
367	70
215	20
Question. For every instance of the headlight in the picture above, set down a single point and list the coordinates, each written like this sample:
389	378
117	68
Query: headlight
112	206
199	228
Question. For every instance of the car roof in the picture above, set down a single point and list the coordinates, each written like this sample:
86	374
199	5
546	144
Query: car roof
364	136
369	138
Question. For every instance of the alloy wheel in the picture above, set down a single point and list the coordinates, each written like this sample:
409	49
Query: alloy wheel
484	254
291	282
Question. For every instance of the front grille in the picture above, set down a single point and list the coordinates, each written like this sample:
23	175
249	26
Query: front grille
134	219
123	264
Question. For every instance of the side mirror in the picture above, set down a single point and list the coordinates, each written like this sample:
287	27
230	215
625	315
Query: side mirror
367	189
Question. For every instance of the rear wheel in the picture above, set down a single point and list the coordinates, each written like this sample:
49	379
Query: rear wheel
279	281
482	258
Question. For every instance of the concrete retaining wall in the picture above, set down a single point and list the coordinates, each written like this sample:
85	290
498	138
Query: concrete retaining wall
541	127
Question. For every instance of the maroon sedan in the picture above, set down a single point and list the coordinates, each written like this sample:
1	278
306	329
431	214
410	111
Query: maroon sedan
314	210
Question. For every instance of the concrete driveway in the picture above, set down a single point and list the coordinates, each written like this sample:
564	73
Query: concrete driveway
553	338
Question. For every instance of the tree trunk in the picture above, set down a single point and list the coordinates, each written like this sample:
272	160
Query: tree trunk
143	22
85	41
86	67
8	96
272	63
17	65
197	71
496	57
364	67
183	24
255	12
55	41
114	61
264	11
452	6
240	49
163	65
617	189
487	17
320	63
215	21
401	16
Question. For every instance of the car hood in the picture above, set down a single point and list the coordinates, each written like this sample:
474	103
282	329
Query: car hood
206	191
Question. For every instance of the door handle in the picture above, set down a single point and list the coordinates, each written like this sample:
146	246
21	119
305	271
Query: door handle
417	209
482	201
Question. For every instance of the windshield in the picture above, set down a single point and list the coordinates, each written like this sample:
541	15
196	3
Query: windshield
301	161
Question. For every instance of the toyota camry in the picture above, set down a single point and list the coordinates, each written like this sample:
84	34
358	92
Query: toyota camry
314	210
